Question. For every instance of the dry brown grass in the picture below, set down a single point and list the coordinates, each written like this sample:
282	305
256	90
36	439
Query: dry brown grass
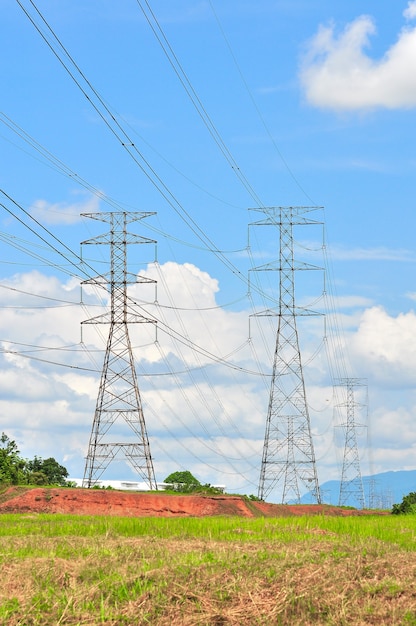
317	577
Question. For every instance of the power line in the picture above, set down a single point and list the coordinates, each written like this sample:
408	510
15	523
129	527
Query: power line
257	109
125	140
48	361
193	96
59	166
75	265
116	128
59	252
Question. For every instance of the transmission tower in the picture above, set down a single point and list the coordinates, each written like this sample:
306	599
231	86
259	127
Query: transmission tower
288	454
118	397
351	486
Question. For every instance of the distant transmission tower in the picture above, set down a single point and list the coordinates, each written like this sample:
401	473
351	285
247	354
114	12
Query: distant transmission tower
351	487
118	397
288	454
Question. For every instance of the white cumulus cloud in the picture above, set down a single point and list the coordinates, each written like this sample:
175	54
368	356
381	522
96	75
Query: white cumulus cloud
410	12
338	73
386	347
201	413
64	212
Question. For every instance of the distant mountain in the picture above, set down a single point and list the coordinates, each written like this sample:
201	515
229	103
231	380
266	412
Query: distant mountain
381	491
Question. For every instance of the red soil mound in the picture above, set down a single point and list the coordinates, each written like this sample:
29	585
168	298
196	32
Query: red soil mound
103	502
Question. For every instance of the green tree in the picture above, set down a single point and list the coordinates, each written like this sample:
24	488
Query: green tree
182	481
53	472
12	466
407	505
17	471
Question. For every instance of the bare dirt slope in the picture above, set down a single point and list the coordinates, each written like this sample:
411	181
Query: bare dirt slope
109	502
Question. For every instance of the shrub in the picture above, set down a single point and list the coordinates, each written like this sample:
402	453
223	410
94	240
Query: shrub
408	505
183	482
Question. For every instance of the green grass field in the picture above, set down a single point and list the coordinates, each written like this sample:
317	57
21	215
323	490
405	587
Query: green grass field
58	569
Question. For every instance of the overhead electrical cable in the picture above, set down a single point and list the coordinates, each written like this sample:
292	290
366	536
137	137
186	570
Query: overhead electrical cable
35	358
62	302
204	237
59	166
257	109
44	261
190	450
333	333
27	248
181	74
79	347
37	295
212	391
119	132
127	144
190	344
48	243
102	102
193	96
125	140
212	446
77	266
37	348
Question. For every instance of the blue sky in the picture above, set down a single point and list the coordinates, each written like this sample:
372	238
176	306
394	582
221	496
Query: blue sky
293	103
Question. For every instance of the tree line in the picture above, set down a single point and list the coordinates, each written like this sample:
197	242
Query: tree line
14	470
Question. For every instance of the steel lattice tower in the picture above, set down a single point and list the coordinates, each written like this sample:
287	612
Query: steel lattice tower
288	453
118	397
351	481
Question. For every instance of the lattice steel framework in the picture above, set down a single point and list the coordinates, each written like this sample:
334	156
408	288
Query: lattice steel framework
351	487
118	397
288	454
